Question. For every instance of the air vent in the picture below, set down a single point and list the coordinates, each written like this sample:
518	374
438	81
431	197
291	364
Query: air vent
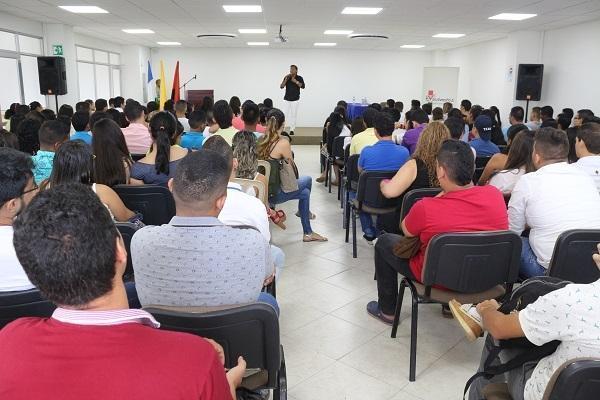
368	36
216	36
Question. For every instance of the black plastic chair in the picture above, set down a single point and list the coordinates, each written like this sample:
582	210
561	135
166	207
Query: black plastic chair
572	256
127	231
26	303
480	163
473	266
251	331
350	181
415	195
154	202
369	199
137	157
336	158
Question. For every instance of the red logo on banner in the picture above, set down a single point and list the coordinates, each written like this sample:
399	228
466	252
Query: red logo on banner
430	95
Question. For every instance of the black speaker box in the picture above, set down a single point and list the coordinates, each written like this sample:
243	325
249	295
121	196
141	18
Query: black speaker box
529	81
53	75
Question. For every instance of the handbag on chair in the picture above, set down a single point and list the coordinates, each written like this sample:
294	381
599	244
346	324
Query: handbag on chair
407	247
288	173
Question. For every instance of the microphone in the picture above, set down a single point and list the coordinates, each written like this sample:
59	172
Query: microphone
194	76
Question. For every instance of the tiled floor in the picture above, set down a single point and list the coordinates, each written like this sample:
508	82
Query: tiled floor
333	349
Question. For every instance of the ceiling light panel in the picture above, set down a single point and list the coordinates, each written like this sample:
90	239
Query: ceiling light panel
84	9
449	35
138	31
252	30
361	10
258	43
337	32
512	17
325	44
412	46
243	9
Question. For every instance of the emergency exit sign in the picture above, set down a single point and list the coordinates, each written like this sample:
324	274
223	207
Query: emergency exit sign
57	50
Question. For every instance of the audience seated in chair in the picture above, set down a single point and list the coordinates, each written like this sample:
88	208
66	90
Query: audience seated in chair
181	107
81	125
112	160
367	137
223	115
93	330
569	315
587	146
137	134
196	260
518	163
498	161
18	188
52	134
482	131
419	121
474	208
194	137
555	198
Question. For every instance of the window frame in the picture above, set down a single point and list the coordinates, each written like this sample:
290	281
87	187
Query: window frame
95	63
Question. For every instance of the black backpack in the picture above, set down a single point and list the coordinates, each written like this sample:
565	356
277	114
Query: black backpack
521	297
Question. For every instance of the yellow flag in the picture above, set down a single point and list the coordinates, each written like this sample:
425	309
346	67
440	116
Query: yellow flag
163	86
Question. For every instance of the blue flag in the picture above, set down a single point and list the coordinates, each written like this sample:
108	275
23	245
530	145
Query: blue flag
150	76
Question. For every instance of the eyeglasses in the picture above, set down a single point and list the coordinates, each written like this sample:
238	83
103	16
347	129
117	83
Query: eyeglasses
33	189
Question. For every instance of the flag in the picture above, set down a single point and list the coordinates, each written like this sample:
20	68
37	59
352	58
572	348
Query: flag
175	91
150	76
163	86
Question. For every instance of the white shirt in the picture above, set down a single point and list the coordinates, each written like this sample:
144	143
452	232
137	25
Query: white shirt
570	315
12	275
555	198
184	122
591	166
243	209
506	180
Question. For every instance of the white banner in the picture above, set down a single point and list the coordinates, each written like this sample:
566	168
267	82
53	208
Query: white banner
440	85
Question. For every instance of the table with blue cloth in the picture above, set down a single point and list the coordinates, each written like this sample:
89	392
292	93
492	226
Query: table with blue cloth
355	110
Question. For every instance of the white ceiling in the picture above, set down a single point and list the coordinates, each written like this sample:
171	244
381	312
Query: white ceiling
404	21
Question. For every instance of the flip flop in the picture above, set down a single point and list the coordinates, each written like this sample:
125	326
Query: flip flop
314	237
374	311
311	216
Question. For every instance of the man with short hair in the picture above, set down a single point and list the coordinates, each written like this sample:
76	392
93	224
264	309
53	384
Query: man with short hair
555	198
587	147
473	209
101	105
465	107
366	137
93	331
223	115
194	138
390	103
17	188
81	125
482	131
51	135
516	116
419	120
250	118
292	83
216	264
82	106
181	111
137	135
456	126
119	101
546	112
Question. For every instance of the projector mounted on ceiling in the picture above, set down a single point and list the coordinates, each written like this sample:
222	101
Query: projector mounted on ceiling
280	38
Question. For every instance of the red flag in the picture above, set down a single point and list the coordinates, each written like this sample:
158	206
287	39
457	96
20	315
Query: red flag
175	92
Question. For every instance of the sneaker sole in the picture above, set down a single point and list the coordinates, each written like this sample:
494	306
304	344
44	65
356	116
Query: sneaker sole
459	316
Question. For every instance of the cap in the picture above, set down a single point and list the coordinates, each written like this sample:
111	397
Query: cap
483	123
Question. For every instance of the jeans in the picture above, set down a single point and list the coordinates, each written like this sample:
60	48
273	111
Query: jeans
387	268
529	265
366	220
264	297
278	257
132	296
303	197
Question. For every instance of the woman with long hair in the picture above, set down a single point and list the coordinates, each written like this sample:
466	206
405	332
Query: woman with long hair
74	163
112	162
498	160
518	163
272	146
336	126
27	132
160	163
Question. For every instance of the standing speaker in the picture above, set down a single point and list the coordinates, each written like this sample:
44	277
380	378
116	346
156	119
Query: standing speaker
53	75
529	81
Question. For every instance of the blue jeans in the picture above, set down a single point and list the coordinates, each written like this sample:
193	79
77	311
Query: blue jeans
366	220
303	197
529	265
132	296
264	297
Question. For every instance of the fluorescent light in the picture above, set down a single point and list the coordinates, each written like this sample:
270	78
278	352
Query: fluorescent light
512	16
242	9
337	32
325	44
169	43
138	31
258	43
449	35
252	30
362	10
84	9
412	46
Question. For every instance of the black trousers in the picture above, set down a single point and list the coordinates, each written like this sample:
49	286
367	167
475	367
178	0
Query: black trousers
387	268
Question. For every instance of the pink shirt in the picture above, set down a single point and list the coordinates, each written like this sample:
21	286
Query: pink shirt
138	138
239	124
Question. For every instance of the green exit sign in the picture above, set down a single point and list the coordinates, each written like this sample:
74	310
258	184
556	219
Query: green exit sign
57	50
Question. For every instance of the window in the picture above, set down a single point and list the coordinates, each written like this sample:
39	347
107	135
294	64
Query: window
98	73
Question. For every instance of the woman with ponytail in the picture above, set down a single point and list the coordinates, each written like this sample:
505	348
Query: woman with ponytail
160	163
273	146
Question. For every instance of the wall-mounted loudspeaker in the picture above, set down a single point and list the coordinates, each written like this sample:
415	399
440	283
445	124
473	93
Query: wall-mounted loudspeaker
529	82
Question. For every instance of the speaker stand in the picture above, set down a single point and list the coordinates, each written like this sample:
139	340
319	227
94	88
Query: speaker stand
56	102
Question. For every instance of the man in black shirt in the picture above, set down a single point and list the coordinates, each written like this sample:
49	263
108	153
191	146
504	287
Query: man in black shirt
292	84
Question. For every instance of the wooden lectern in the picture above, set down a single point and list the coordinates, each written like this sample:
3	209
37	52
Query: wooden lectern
196	96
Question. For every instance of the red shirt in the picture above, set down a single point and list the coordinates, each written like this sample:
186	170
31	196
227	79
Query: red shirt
43	358
480	208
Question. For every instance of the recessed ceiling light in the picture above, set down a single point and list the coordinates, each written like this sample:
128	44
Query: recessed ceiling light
362	10
325	44
412	46
137	31
512	16
242	9
84	9
252	30
337	32
449	35
169	43
258	43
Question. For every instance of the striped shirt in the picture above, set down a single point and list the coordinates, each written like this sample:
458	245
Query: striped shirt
105	318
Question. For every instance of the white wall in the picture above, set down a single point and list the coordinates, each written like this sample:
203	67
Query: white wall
11	23
330	75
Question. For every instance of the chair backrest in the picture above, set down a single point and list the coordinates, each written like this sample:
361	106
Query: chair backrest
415	195
137	157
26	303
251	331
351	171
154	202
265	168
338	147
257	186
127	231
577	379
503	148
472	262
369	191
481	162
572	256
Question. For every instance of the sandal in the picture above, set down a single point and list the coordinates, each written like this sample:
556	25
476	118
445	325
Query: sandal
320	179
374	311
278	217
310	216
314	237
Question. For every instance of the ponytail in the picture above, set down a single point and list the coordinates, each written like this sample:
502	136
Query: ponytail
275	120
162	128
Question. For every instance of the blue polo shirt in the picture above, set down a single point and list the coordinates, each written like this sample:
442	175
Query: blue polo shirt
384	155
192	140
82	135
484	148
